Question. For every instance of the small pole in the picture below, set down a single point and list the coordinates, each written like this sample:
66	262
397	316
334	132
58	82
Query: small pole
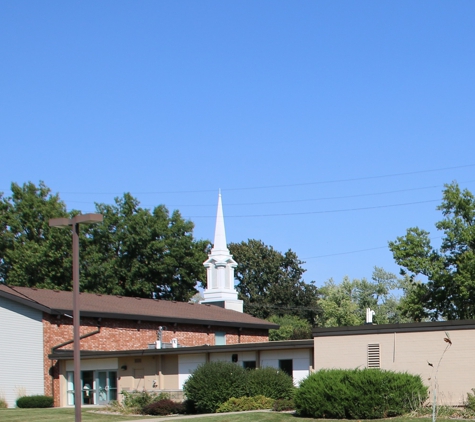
73	223
76	325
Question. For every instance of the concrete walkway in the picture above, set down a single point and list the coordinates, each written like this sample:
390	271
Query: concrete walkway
180	417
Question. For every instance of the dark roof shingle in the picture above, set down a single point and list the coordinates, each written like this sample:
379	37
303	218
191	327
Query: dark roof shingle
121	307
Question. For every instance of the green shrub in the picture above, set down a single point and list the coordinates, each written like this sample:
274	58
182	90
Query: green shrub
189	407
35	402
283	405
470	404
136	401
269	382
358	394
246	403
213	383
163	407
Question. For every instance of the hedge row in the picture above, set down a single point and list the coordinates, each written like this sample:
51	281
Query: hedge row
35	402
336	393
359	394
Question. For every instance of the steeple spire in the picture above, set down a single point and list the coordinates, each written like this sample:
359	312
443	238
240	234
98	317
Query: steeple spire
220	266
220	246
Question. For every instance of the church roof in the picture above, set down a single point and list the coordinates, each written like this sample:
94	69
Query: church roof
120	307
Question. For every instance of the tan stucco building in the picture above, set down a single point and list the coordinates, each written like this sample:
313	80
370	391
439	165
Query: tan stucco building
411	348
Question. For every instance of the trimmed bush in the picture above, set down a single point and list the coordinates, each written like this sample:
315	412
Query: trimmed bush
246	403
283	405
269	382
213	383
136	401
189	407
359	394
163	407
35	402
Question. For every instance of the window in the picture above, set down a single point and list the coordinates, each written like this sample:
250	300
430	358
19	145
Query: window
249	364
374	356
220	338
286	366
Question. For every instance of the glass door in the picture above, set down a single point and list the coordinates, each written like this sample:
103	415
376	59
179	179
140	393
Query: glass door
102	388
106	386
88	390
70	387
112	385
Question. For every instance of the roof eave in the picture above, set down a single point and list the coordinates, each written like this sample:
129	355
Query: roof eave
241	347
394	328
179	320
26	302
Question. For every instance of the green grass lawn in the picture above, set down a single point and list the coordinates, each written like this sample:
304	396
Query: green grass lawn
59	415
67	415
286	417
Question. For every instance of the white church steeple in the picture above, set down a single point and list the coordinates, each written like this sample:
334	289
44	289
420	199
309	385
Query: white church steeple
220	266
219	246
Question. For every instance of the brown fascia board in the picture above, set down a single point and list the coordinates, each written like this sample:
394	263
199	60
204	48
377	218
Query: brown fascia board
395	328
171	320
241	347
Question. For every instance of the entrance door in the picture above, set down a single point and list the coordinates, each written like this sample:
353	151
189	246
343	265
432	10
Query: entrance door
106	386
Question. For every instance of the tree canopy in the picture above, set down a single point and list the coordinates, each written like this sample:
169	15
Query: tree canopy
345	304
270	283
449	291
291	328
32	253
134	252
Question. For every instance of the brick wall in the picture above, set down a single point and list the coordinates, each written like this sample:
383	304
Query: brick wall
128	335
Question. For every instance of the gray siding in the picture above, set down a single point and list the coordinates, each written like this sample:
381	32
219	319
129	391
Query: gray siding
21	351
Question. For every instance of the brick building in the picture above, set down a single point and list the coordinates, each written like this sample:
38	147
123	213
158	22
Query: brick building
36	337
37	323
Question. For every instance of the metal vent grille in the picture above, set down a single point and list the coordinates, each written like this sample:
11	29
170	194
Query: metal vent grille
373	356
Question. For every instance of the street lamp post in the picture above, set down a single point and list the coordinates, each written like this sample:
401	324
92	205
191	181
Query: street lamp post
74	224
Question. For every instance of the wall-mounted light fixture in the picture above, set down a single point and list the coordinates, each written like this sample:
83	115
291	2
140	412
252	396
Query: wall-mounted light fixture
124	367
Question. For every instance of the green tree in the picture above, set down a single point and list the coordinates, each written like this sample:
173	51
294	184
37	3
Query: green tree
32	253
338	304
345	304
291	328
134	252
270	283
449	291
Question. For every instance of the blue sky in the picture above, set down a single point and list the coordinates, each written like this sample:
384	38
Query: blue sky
330	126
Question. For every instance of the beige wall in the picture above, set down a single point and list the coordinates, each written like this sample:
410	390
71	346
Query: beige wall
168	372
409	352
152	373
